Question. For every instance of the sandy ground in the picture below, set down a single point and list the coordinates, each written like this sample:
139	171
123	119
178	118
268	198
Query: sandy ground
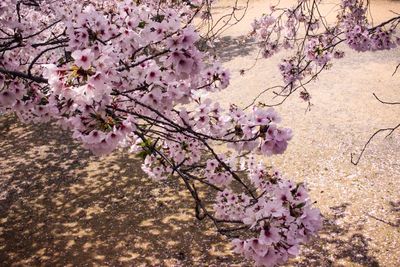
61	206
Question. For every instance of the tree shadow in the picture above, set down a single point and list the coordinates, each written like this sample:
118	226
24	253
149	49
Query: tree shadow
229	47
63	207
28	152
395	208
337	244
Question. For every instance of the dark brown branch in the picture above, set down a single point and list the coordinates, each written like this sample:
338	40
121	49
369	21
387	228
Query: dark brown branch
385	102
18	74
395	70
384	23
41	54
391	130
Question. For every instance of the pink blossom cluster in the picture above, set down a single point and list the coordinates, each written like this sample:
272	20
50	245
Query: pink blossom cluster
291	70
255	132
277	31
304	29
360	35
260	123
217	175
280	29
316	51
103	67
264	29
280	219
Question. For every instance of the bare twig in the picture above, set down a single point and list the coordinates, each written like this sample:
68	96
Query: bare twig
391	130
385	102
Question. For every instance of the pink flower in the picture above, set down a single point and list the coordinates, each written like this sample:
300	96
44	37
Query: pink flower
269	236
274	209
83	58
184	65
153	75
7	98
98	81
94	137
312	219
259	248
113	138
212	164
261	116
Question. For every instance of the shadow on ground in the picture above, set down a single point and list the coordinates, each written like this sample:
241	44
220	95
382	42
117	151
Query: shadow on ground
61	206
395	208
338	245
229	47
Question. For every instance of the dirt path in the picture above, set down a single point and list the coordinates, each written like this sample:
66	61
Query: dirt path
60	206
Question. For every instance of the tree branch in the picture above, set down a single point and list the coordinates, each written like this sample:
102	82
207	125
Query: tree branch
18	74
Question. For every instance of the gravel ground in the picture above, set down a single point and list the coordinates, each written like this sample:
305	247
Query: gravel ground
61	206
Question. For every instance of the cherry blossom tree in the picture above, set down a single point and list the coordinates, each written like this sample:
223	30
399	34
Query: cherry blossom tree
133	75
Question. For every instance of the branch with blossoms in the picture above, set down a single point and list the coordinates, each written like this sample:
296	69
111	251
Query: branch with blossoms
130	75
315	43
304	30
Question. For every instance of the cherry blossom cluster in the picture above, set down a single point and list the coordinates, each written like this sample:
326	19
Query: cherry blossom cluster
255	132
216	174
316	51
360	35
280	30
304	29
291	71
279	220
